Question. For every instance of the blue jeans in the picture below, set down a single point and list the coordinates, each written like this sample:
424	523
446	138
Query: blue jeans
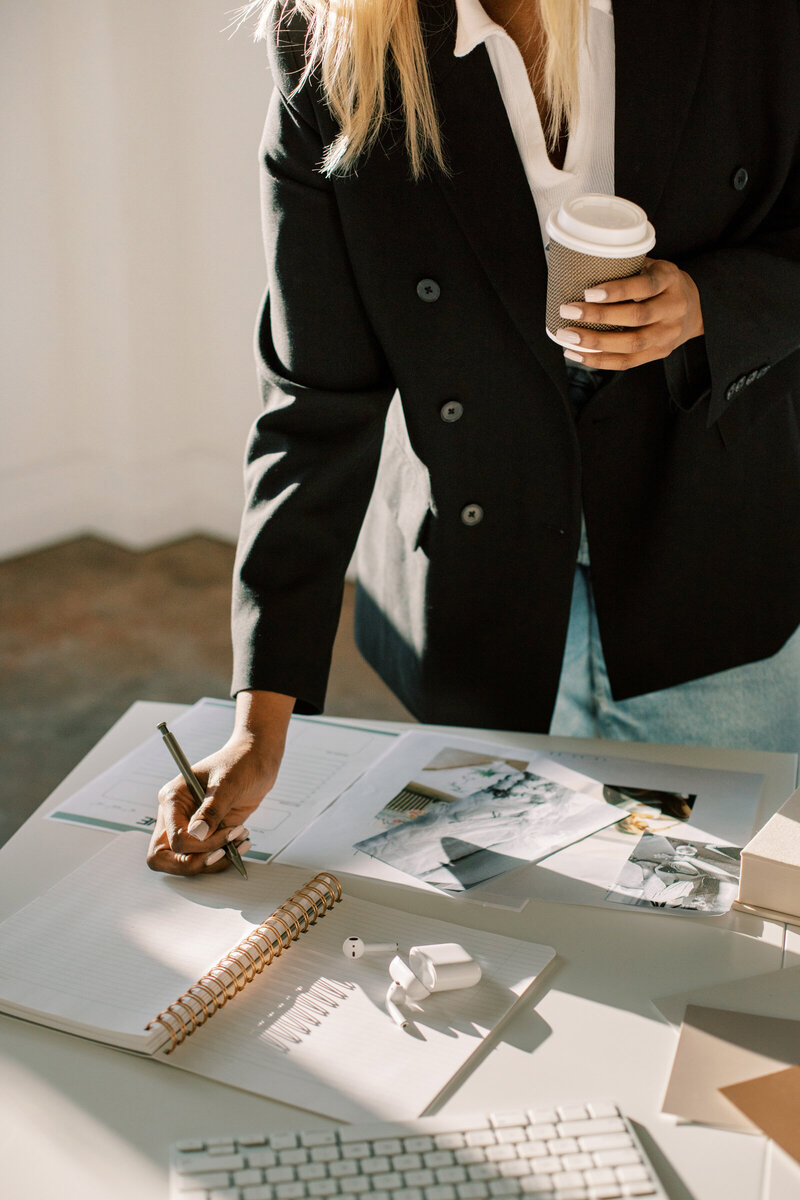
753	707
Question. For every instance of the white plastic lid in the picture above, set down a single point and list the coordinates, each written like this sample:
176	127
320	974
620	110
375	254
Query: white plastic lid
605	226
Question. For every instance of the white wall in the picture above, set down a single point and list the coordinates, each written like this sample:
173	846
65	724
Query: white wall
132	267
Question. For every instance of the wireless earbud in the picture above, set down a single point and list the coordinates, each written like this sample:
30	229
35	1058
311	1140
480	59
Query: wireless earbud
353	947
441	968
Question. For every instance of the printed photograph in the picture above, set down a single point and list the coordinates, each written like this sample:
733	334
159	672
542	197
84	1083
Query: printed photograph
672	873
470	821
649	810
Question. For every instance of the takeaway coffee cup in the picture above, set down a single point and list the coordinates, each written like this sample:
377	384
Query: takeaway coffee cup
592	238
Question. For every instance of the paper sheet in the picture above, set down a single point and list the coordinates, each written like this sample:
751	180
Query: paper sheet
322	758
717	1048
772	1103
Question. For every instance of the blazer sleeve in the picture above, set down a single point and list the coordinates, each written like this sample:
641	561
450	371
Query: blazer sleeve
749	298
313	453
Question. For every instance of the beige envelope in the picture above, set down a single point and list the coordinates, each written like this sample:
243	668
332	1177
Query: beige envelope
716	1049
772	1102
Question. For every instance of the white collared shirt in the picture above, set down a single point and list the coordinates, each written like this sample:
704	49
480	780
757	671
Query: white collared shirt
589	162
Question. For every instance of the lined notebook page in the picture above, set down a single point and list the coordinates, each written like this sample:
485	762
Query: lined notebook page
113	944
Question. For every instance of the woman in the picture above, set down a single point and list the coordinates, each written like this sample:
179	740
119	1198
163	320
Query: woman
412	152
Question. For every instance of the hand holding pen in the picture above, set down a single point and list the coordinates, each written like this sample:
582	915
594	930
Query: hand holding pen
191	837
195	822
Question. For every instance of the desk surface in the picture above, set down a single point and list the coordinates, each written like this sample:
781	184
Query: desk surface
82	1120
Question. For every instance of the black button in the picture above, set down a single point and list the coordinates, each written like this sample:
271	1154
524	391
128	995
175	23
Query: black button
451	411
428	290
472	514
740	179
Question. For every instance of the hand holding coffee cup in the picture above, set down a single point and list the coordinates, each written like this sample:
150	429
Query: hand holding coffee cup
593	238
608	304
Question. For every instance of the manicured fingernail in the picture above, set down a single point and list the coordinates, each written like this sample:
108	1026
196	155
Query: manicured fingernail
243	847
198	829
233	834
595	294
214	857
573	356
571	312
566	335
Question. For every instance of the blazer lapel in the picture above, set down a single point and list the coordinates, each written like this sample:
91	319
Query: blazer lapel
490	197
659	52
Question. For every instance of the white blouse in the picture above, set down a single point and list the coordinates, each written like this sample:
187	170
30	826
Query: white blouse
589	161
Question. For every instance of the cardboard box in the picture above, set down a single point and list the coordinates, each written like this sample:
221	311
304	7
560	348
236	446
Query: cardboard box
770	880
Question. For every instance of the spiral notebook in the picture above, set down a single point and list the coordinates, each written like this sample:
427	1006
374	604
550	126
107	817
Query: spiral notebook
245	982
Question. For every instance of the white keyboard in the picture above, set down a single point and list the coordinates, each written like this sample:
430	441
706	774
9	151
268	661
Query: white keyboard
572	1152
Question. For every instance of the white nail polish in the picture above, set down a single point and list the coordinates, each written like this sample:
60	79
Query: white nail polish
214	857
244	846
233	834
570	354
595	295
571	312
198	829
566	335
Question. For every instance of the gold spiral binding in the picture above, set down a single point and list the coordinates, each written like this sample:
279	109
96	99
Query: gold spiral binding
323	899
286	928
258	950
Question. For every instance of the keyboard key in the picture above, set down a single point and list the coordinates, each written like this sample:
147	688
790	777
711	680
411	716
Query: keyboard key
605	1125
408	1193
543	1116
632	1174
600	1108
340	1170
605	1141
321	1187
441	1191
448	1141
641	1188
516	1169
262	1192
326	1153
280	1175
538	1186
261	1158
354	1150
308	1171
605	1191
387	1146
291	1191
249	1175
224	1194
530	1150
283	1141
475	1154
600	1175
375	1166
480	1137
542	1132
418	1145
615	1158
569	1179
439	1158
292	1158
387	1181
318	1137
451	1175
563	1146
190	1146
252	1139
407	1162
578	1162
472	1191
419	1179
504	1120
509	1136
576	1112
504	1187
480	1172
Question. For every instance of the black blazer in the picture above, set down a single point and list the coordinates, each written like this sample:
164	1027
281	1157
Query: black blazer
688	469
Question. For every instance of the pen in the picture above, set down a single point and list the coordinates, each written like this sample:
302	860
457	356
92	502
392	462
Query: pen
193	783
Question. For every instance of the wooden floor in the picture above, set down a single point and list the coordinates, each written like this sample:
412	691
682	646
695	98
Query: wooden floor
88	627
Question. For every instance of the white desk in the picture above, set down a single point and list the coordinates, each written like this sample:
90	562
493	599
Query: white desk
81	1120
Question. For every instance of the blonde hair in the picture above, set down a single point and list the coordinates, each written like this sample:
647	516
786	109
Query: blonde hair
351	43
